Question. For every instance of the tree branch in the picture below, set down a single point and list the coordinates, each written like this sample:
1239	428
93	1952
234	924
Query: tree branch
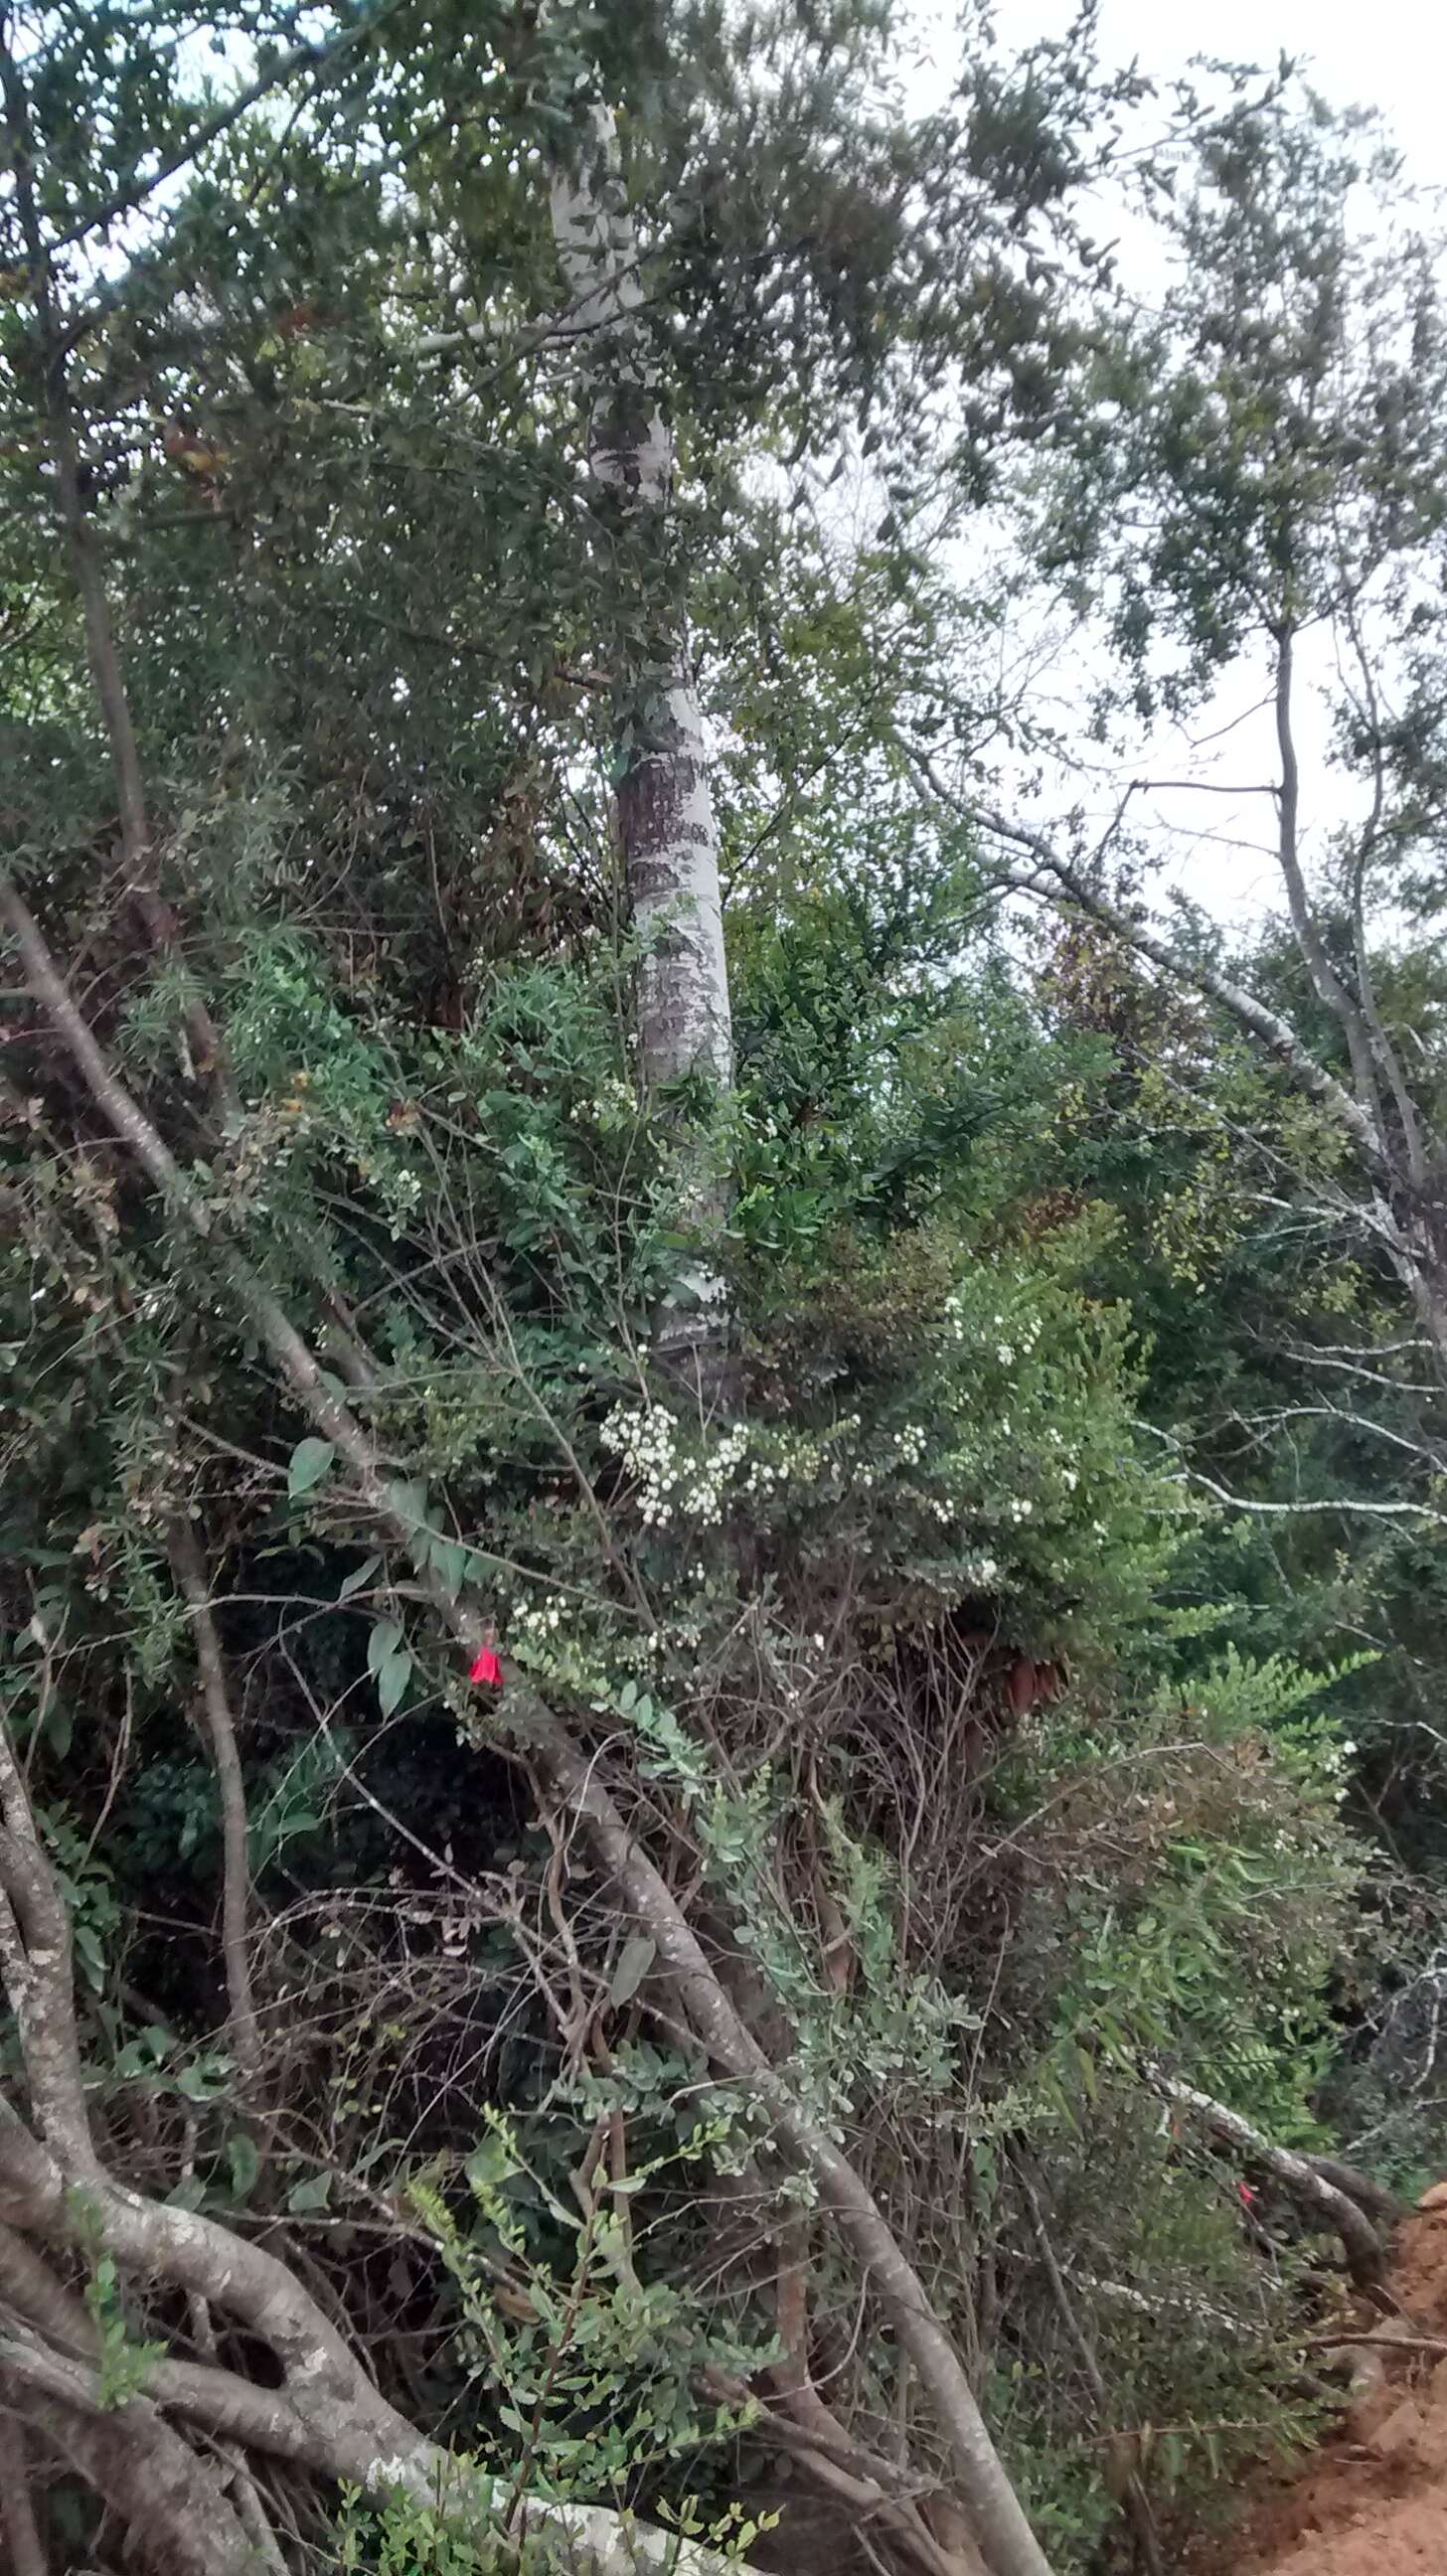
1296	2175
1328	985
137	847
215	1703
134	191
147	2473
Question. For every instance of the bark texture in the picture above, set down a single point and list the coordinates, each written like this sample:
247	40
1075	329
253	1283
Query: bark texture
666	818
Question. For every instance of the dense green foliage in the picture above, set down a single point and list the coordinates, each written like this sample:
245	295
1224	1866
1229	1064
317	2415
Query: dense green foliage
1021	1658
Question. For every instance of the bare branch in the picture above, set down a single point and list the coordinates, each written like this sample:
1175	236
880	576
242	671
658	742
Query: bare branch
1054	877
1296	2176
1328	984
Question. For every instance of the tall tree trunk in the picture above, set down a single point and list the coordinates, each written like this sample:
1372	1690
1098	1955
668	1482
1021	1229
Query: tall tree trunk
666	819
667	825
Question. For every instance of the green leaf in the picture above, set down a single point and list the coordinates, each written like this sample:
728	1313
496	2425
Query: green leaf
634	1961
382	1644
409	1501
392	1680
449	1561
312	2194
91	1955
310	1460
359	1575
244	2164
489	2166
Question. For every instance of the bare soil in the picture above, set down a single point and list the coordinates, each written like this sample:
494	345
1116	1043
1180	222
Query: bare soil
1373	2499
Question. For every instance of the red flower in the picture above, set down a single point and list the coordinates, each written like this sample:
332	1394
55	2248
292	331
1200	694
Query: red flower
487	1669
1245	2195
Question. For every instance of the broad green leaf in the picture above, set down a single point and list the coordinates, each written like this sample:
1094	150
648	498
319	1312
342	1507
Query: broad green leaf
392	1680
383	1642
634	1961
312	2194
310	1460
409	1500
449	1560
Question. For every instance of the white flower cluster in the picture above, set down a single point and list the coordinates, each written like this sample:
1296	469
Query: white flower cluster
1336	1762
540	1619
1015	1341
677	1483
646	1438
1069	1476
402	1191
612	1106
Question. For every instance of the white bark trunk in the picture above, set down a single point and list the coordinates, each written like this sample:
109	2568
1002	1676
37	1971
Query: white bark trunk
666	818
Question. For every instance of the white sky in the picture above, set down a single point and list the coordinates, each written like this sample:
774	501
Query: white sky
1388	54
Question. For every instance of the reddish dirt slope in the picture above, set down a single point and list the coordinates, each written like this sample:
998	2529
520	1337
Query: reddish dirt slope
1373	2502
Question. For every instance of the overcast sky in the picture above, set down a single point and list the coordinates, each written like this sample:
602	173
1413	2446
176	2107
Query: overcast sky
1390	54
